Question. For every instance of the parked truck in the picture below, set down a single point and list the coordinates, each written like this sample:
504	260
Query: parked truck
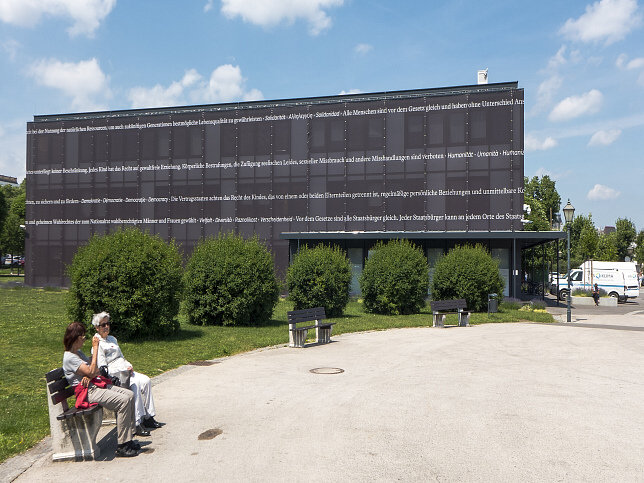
617	279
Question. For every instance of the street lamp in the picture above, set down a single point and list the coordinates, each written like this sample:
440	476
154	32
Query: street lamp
569	214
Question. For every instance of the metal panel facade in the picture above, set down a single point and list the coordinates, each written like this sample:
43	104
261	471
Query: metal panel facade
433	160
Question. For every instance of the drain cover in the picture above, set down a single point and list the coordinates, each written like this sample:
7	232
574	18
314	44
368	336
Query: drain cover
210	434
327	370
202	363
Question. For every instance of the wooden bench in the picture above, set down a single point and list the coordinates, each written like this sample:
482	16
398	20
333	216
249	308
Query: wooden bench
297	335
440	308
73	431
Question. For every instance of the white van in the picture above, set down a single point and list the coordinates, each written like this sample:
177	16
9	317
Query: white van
617	279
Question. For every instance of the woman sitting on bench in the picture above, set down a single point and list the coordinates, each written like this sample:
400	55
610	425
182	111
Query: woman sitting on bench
80	370
110	355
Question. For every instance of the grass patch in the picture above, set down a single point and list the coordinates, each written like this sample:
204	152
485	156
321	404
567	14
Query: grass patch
33	321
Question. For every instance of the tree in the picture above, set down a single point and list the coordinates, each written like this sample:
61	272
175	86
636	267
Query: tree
606	249
625	234
639	250
578	224
4	211
134	276
13	236
545	192
467	272
588	242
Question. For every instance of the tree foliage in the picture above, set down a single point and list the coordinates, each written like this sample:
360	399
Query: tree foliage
12	235
134	276
320	277
606	248
544	201
395	279
625	234
230	281
639	250
470	273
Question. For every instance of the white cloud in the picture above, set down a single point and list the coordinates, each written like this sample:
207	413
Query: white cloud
362	49
87	15
225	84
635	63
575	106
604	138
605	20
83	81
208	6
546	92
532	143
621	60
558	59
159	96
11	47
268	13
600	192
349	92
555	176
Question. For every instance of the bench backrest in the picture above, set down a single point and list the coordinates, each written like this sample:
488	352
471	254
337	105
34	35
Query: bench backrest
306	315
58	387
449	304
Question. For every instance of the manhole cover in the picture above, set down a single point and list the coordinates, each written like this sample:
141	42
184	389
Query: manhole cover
327	370
210	434
202	363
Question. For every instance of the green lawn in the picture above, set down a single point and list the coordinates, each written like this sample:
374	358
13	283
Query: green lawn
33	321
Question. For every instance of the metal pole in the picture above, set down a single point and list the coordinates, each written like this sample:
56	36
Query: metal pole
568	317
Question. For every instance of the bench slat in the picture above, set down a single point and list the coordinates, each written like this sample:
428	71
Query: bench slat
448	304
62	395
306	315
72	412
55	374
58	385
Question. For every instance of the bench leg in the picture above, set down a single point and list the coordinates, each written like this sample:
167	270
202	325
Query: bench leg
464	319
323	334
75	438
297	337
439	320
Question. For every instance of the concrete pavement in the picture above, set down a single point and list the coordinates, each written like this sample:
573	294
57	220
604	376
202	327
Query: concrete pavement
513	402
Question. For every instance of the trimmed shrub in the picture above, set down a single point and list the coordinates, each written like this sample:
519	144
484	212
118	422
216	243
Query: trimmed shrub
395	279
582	292
470	273
134	276
320	277
230	281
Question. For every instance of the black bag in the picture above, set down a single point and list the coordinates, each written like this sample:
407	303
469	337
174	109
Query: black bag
103	372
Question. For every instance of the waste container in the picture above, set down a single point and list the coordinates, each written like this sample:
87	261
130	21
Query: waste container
492	303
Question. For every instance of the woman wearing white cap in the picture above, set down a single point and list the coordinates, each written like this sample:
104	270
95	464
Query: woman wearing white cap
110	355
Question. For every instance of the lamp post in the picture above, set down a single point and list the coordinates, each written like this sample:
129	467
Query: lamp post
569	214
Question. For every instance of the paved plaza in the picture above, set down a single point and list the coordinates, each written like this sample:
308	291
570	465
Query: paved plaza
495	402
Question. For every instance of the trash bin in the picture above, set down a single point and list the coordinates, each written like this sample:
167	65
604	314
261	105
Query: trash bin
492	303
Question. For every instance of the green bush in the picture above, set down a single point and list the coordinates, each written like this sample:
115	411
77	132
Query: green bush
470	273
320	277
395	279
134	276
230	281
581	292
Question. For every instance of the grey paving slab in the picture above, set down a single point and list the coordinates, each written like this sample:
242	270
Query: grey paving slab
496	402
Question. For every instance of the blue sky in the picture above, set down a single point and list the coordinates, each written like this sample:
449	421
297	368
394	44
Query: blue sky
581	65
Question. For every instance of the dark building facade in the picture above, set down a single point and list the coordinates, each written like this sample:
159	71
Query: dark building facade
441	166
